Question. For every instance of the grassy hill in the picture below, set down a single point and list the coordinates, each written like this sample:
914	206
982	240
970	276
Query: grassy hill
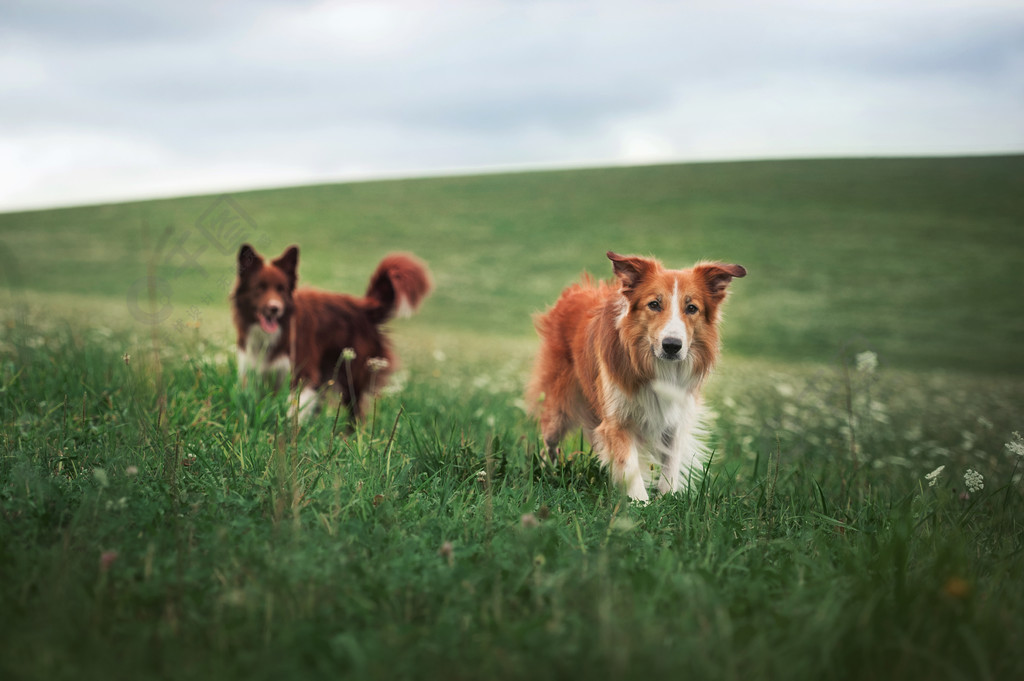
918	259
858	521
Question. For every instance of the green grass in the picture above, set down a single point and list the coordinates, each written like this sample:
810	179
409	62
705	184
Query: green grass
918	258
159	522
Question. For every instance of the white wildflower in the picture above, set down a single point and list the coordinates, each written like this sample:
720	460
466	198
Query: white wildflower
933	477
100	476
118	505
867	362
348	354
1016	445
376	364
879	412
974	481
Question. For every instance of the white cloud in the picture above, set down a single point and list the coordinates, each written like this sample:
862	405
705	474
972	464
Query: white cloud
128	100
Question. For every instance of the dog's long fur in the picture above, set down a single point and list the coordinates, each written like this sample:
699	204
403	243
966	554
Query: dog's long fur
626	361
303	332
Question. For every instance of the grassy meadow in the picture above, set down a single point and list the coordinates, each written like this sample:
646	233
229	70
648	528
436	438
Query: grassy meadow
160	522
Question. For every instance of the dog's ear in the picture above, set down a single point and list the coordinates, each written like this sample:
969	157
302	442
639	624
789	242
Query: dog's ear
289	264
630	269
717	276
248	259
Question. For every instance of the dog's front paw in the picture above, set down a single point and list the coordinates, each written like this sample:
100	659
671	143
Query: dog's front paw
637	491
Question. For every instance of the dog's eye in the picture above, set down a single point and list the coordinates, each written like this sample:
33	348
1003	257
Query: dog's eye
280	288
654	305
692	309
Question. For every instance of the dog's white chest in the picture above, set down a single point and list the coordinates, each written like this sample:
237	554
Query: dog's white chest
255	356
664	404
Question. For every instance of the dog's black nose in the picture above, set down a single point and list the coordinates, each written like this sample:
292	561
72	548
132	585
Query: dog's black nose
671	346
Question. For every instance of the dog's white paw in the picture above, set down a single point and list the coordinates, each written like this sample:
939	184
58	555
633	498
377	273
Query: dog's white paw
637	491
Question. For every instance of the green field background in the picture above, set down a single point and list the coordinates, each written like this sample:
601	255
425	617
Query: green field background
918	259
158	521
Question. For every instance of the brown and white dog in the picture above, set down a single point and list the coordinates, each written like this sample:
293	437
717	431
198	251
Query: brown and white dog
627	361
304	332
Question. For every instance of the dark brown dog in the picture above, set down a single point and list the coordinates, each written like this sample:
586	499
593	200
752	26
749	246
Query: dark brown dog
321	338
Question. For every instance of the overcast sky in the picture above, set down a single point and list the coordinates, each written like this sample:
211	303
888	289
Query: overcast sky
114	100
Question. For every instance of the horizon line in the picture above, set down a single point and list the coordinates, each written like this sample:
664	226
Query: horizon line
474	171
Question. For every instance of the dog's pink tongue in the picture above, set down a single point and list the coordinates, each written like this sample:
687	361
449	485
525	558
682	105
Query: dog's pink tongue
268	325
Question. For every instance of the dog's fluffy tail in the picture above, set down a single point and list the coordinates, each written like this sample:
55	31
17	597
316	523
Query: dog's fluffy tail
398	286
